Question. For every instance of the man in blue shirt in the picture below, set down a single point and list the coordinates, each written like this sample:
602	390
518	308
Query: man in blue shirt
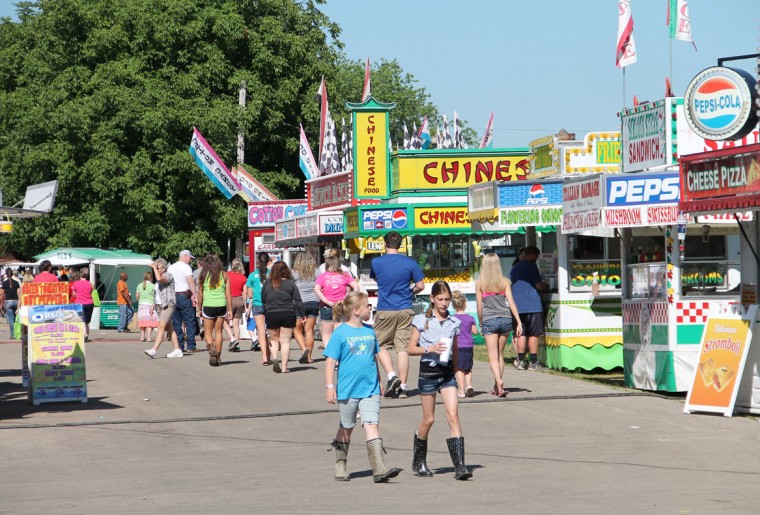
526	284
398	278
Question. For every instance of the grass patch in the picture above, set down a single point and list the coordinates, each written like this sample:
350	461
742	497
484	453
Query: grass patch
612	378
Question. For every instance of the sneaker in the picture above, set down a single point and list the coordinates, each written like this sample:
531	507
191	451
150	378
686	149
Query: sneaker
234	346
536	366
516	364
176	353
255	346
402	394
391	389
523	365
150	352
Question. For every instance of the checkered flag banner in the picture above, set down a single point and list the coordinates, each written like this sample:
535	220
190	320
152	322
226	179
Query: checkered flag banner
438	137
446	135
328	162
346	160
416	143
458	135
407	141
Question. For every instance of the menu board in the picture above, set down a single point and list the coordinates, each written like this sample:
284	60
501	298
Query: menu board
56	354
722	357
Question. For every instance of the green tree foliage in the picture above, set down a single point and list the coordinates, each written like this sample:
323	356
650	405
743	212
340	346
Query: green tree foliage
103	95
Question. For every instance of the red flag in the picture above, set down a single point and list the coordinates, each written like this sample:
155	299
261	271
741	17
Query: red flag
324	112
626	45
366	92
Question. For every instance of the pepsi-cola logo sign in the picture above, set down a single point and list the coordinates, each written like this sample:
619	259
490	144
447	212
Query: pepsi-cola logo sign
643	189
719	103
385	219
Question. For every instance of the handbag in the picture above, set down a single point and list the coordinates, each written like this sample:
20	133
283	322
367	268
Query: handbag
95	298
17	329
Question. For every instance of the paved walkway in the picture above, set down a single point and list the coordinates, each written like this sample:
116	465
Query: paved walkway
176	435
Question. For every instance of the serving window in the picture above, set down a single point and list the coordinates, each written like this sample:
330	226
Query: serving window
589	254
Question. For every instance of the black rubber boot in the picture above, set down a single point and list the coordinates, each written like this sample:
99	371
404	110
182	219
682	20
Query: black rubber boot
456	450
380	473
419	460
341	455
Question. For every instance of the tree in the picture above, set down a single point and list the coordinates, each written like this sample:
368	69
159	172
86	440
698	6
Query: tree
103	96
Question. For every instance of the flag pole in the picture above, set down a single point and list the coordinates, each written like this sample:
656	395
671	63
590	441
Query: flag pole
670	53
623	87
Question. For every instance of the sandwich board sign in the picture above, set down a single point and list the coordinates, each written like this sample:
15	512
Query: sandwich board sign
722	356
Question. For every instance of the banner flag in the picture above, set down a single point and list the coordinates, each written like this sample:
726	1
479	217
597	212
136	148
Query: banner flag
366	92
626	45
324	114
306	158
487	141
407	141
212	166
679	21
424	134
254	188
446	134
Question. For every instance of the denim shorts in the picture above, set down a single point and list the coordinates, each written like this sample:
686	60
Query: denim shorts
497	325
434	379
369	407
256	310
326	314
311	309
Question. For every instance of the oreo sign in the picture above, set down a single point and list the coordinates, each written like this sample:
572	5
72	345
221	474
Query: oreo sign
719	103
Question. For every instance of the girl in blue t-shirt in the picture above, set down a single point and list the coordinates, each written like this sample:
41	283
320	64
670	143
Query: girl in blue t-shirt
437	376
255	311
354	345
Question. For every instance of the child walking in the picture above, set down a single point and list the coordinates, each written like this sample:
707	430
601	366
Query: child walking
354	345
467	328
437	376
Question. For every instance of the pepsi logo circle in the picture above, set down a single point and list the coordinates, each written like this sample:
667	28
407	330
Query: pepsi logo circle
718	103
399	219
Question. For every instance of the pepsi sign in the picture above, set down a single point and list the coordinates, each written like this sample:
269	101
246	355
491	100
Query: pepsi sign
641	189
524	193
385	219
719	103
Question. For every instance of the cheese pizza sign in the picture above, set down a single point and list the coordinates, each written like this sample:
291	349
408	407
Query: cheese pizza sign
728	176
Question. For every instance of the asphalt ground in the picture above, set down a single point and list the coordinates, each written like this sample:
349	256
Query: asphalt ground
179	436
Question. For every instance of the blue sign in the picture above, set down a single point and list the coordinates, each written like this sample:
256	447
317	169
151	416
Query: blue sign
525	193
385	219
643	189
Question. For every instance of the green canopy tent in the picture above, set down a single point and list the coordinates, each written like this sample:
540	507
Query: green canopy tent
105	267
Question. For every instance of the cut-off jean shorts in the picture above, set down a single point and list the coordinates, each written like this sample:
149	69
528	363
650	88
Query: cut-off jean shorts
434	379
497	325
369	407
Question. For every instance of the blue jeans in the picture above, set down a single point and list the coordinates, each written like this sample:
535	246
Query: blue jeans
125	315
185	312
10	313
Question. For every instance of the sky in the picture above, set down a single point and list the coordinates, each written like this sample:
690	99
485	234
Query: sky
542	65
539	65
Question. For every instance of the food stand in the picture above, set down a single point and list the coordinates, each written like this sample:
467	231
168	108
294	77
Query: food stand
262	217
310	232
667	293
728	181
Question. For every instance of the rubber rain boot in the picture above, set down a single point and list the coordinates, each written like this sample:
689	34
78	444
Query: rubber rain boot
380	473
456	450
341	455
419	459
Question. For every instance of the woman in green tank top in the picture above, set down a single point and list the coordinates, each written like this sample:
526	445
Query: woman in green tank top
216	305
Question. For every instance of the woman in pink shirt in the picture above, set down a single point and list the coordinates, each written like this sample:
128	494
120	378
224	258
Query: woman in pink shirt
82	294
331	288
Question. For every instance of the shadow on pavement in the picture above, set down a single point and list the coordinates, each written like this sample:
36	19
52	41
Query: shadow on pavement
20	406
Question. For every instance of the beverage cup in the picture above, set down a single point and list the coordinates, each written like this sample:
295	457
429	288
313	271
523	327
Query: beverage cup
445	355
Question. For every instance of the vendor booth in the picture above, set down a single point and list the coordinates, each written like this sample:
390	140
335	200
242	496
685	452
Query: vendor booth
262	217
729	181
677	268
105	267
311	233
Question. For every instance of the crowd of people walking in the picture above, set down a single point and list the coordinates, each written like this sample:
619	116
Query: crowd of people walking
279	304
